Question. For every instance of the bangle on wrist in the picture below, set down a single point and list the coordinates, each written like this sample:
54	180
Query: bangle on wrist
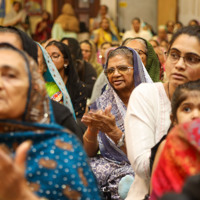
121	141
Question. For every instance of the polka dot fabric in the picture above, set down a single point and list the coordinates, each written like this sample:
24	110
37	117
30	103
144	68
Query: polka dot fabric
57	166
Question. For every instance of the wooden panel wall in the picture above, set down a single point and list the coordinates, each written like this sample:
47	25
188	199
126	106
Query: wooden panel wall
167	10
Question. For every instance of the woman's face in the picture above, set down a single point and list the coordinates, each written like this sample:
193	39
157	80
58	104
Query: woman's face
56	56
104	48
105	24
139	47
86	51
121	81
45	16
177	70
153	43
14	85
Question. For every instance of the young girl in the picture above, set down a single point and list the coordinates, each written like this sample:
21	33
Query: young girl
185	106
186	103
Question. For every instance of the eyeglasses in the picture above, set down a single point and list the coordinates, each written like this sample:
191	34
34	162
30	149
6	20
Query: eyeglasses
189	58
55	56
122	69
140	52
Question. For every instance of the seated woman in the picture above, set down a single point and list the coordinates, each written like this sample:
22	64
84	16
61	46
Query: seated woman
63	114
27	115
89	53
105	121
148	113
43	28
178	160
103	34
147	55
66	80
87	74
22	41
66	24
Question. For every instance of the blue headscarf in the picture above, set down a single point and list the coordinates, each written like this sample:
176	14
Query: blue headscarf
57	166
52	75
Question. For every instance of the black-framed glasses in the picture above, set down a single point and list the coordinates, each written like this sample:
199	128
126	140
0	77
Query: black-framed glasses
189	58
140	52
122	69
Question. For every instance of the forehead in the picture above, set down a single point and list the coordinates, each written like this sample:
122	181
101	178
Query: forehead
135	21
11	38
191	95
53	49
186	43
118	60
134	44
103	8
16	62
85	46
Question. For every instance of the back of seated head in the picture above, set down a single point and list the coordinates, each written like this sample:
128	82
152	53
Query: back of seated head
74	47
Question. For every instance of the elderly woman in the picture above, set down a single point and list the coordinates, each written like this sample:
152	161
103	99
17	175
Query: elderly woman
27	115
147	55
105	121
22	41
66	81
148	114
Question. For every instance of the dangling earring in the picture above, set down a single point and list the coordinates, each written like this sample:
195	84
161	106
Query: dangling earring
65	65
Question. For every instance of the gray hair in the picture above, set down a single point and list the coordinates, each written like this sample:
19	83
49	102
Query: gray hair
125	42
123	51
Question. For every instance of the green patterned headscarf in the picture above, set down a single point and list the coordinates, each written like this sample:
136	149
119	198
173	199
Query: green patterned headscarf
152	64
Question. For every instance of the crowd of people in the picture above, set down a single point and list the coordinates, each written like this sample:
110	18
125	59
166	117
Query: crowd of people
104	117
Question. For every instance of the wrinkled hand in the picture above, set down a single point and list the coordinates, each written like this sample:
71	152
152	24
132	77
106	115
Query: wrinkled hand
100	120
13	184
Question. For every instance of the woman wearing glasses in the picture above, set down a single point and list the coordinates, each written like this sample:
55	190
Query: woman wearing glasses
147	55
104	138
148	114
64	86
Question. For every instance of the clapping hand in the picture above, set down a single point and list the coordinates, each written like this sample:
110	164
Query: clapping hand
101	120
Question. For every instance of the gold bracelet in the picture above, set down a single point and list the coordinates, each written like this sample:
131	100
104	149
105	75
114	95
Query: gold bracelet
89	141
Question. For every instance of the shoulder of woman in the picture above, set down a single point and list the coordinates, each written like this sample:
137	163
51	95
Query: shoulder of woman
145	87
145	91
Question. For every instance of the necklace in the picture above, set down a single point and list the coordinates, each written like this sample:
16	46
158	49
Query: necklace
168	91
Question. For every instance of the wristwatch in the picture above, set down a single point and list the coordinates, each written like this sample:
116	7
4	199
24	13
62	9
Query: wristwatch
121	141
